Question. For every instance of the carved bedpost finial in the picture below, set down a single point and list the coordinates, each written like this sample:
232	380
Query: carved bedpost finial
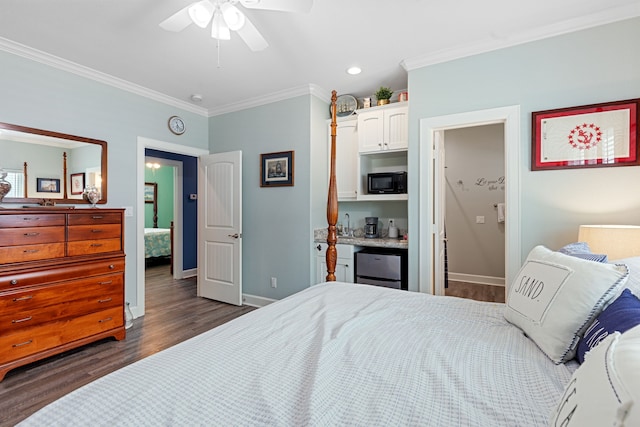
332	202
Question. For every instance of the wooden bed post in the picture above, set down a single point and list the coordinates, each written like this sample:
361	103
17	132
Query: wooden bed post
332	200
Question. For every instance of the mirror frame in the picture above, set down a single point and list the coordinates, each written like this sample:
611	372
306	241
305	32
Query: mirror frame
40	200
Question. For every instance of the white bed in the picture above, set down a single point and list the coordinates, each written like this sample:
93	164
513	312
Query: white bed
334	354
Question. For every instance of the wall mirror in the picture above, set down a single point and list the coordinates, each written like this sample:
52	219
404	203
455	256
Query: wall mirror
47	167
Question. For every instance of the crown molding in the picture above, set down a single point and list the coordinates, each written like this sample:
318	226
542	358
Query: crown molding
80	70
310	89
604	17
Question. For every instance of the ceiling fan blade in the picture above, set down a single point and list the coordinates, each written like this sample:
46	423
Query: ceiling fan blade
300	6
178	21
252	37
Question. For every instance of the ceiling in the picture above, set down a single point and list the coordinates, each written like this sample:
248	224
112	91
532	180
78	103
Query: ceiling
122	42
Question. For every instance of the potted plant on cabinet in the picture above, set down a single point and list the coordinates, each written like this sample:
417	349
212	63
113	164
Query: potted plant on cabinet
383	95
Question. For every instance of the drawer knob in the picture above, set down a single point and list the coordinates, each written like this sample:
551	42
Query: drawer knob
22	344
24	298
105	300
111	267
26	319
97	217
96	231
96	245
108	319
31	234
31	218
14	282
108	282
30	251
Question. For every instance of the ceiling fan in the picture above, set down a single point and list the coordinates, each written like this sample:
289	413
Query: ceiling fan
226	17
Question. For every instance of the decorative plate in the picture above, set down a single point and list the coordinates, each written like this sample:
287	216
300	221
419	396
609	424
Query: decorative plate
346	105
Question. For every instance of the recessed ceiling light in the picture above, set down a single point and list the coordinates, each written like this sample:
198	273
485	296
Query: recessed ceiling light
354	70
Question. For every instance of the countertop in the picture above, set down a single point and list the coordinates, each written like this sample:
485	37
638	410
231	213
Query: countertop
320	236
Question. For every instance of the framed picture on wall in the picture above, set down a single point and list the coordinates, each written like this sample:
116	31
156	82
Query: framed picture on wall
77	183
150	192
276	169
47	185
594	135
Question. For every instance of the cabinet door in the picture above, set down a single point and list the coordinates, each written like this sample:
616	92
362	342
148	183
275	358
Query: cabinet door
370	128
346	158
344	263
344	270
396	136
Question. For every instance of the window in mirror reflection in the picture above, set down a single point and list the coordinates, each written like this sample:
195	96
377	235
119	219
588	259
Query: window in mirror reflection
16	179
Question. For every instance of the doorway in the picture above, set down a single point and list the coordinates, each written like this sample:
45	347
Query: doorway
167	147
473	193
431	200
163	208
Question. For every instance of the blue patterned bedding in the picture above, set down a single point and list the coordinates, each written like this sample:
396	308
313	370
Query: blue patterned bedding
157	242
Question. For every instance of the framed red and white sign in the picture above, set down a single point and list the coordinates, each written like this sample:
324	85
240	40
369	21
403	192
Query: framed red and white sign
587	136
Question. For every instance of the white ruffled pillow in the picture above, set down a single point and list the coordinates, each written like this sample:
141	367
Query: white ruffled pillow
555	297
605	389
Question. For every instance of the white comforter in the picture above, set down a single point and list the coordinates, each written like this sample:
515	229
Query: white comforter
334	354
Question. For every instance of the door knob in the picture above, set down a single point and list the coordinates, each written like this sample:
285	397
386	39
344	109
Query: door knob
235	236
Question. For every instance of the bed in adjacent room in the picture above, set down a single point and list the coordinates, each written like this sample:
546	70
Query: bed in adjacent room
157	242
354	354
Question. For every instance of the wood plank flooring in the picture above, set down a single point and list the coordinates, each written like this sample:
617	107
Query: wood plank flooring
475	291
173	314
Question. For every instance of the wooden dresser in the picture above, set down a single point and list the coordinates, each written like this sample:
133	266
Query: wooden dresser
61	281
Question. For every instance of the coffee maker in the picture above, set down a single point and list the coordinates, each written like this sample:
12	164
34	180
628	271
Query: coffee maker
371	227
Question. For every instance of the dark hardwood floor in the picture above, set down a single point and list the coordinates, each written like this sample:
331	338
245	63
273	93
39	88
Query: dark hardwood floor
173	314
475	291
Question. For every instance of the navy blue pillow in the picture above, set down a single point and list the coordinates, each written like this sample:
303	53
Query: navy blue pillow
621	315
582	250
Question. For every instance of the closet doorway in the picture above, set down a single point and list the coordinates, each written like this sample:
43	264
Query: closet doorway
431	196
474	206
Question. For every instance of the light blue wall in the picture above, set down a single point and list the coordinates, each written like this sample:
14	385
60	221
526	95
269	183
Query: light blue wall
39	96
276	221
591	66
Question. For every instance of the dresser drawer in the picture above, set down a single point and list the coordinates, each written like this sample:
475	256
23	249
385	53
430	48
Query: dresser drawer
88	247
11	254
32	340
58	274
94	218
24	308
31	220
97	231
31	235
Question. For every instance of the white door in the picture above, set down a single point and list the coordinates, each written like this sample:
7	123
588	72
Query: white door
220	227
439	192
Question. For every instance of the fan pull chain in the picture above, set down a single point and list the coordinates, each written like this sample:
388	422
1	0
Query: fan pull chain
218	49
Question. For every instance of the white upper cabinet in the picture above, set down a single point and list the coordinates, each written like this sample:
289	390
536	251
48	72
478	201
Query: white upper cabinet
346	158
384	128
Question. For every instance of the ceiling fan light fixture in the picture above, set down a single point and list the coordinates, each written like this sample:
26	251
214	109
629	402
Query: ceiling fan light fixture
201	13
232	16
219	28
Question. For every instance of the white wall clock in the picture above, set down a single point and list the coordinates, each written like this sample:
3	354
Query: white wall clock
176	125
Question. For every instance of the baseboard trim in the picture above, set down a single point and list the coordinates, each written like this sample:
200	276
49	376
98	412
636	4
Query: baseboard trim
192	272
256	301
474	278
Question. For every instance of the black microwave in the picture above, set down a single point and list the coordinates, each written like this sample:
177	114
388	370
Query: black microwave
387	183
